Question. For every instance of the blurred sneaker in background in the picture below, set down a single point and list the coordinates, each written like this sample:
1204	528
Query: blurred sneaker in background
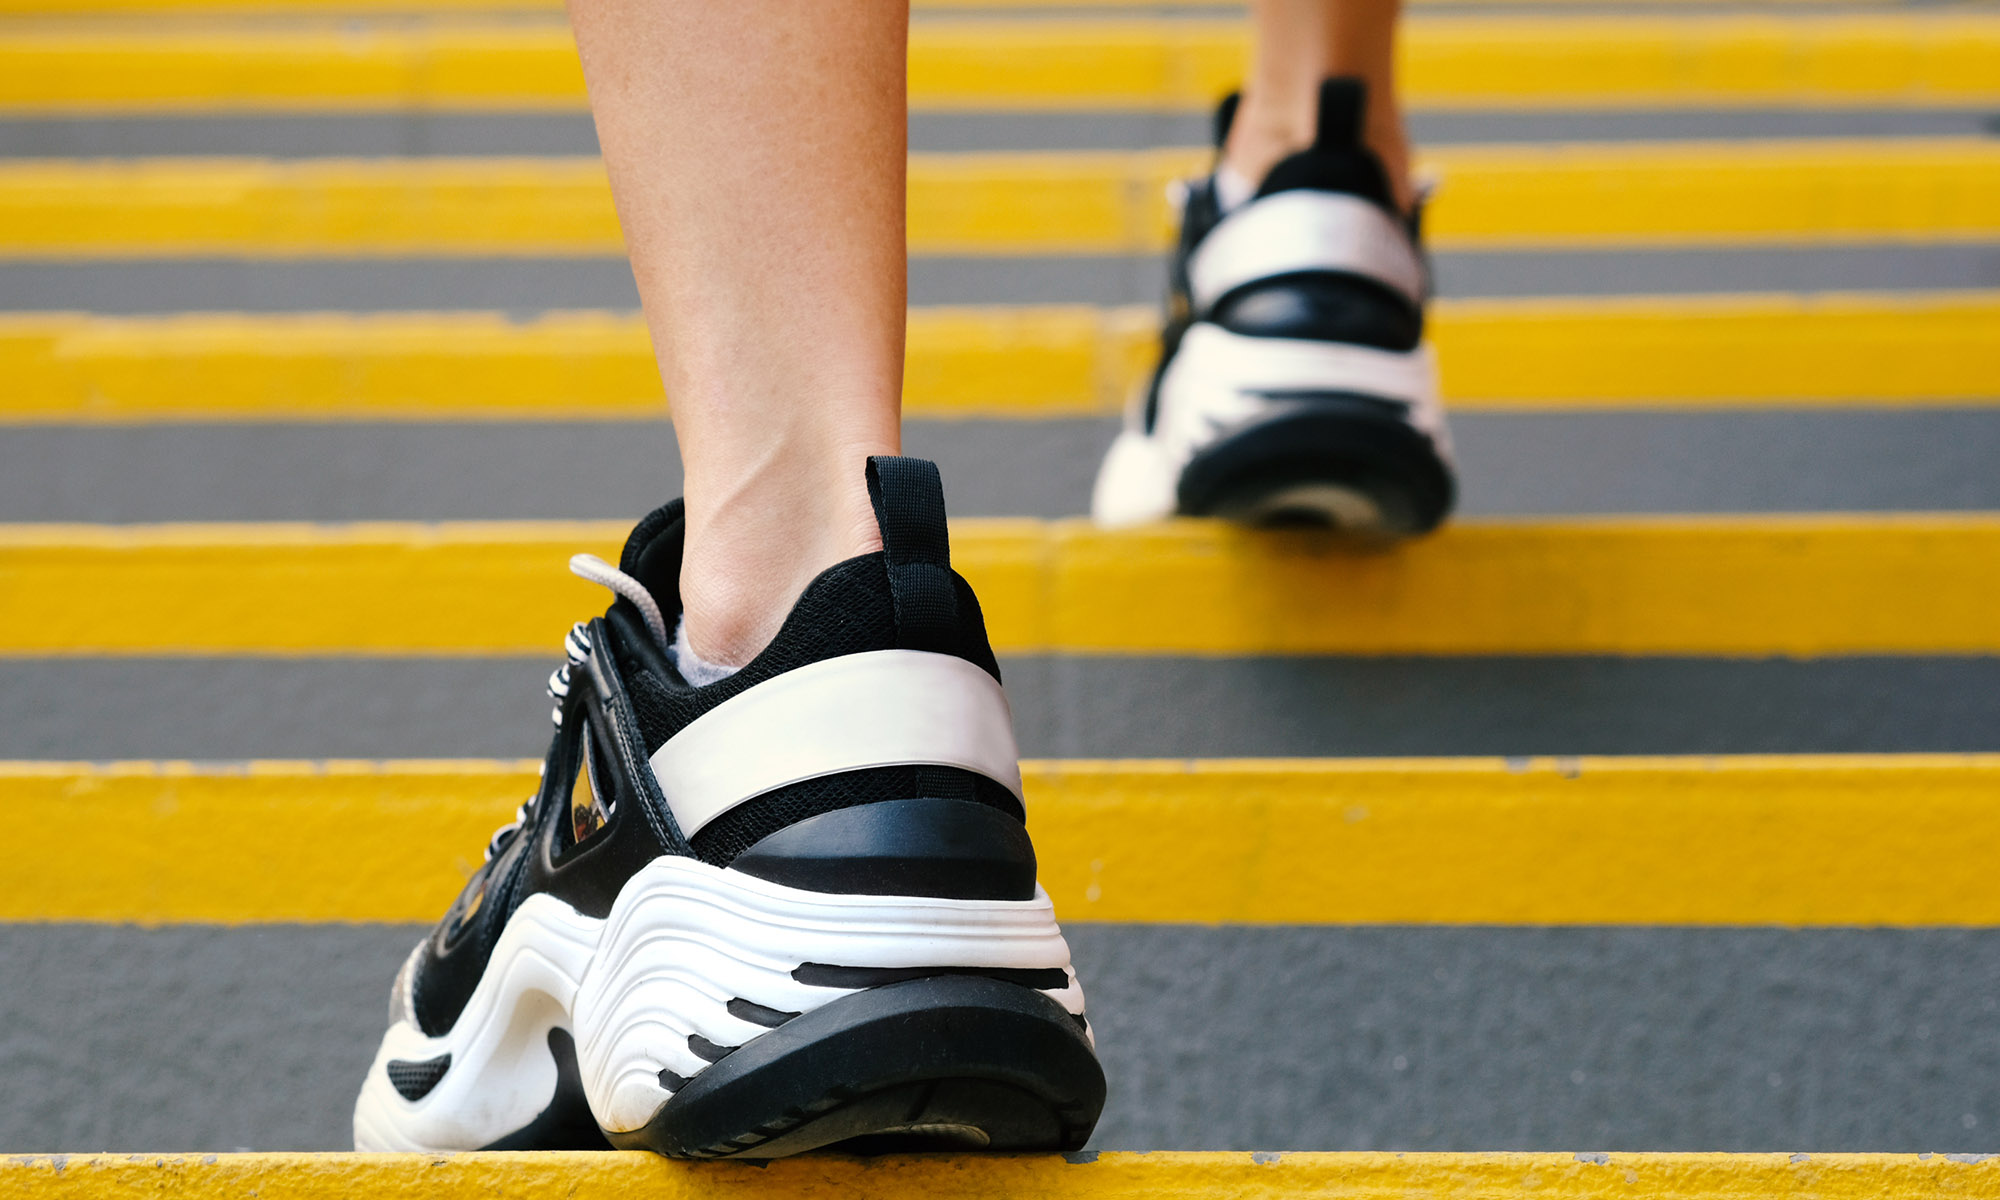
1294	384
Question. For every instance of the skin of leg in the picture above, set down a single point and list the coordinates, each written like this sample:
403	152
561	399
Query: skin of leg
1297	43
757	152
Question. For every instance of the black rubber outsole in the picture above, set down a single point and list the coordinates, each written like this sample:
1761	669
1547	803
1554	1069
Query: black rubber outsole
946	1062
1347	443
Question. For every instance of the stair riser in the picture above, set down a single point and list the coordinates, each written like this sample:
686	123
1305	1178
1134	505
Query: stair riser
1213	1038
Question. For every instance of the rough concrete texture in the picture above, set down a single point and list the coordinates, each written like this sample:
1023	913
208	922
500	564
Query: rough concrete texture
1512	463
207	708
1262	1038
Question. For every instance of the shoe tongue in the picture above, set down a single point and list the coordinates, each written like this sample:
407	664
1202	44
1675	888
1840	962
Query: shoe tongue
1338	160
652	555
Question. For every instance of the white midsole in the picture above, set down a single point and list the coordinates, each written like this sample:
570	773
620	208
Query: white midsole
687	937
501	1075
683	939
1214	387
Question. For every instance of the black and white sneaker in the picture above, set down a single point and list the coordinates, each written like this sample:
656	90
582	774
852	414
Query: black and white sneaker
1294	383
790	909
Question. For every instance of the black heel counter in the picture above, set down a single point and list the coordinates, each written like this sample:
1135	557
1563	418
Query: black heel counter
1322	306
926	846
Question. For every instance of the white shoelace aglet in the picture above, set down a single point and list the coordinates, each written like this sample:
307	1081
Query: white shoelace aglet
596	570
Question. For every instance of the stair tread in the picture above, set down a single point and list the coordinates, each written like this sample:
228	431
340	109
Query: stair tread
1765	840
585	1175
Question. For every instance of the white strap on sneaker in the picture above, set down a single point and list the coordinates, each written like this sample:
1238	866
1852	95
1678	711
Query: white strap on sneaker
883	708
1304	231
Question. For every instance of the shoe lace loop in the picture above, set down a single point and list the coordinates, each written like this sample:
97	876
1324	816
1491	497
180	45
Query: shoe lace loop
576	648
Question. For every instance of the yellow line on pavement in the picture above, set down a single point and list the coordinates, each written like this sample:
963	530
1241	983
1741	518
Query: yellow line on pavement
1889	348
1750	586
1672	193
1812	840
1481	61
599	1175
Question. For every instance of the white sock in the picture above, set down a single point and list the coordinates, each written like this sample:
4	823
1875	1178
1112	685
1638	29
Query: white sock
693	668
1231	188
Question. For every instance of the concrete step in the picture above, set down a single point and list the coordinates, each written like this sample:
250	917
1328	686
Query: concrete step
1749	586
421	133
1553	463
586	1175
1476	61
1874	349
241	708
481	8
528	285
1407	1038
1002	204
1783	840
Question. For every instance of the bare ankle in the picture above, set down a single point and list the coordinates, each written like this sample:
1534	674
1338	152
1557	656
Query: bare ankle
1262	136
1265	134
1386	138
752	551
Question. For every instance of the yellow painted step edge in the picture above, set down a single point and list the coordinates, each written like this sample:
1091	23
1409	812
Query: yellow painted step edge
1871	840
1742	586
1461	61
996	203
265	8
1559	353
585	1175
1573	195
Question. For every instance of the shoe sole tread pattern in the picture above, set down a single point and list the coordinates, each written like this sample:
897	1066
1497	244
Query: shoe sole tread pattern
685	978
949	1061
684	939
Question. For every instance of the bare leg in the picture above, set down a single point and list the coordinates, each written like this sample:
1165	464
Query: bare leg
756	151
1299	43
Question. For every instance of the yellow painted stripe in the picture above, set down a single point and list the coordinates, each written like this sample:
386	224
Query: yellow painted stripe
1817	840
1493	196
1888	348
266	8
1036	361
597	1175
1479	61
1663	585
1720	351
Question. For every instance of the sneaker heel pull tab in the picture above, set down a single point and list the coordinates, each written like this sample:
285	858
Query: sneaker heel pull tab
1225	117
909	507
1343	103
